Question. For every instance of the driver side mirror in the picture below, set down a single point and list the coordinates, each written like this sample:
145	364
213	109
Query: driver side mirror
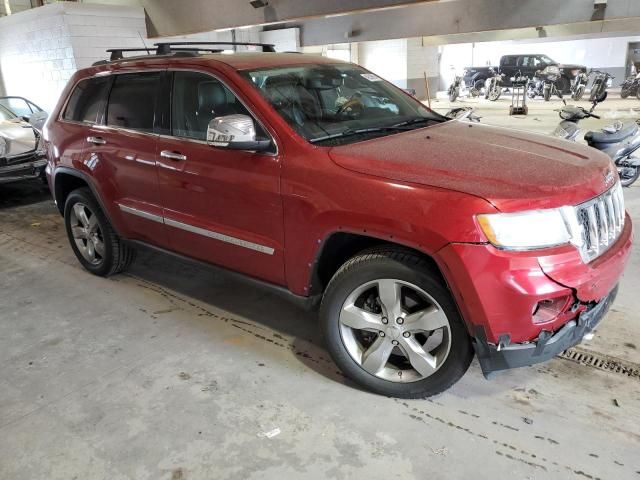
235	132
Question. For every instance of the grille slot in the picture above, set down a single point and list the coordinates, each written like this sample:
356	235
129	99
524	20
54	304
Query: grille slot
602	221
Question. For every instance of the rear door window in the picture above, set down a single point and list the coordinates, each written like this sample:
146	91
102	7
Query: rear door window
132	101
88	100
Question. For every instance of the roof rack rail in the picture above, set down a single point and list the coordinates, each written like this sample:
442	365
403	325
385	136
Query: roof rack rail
116	53
164	48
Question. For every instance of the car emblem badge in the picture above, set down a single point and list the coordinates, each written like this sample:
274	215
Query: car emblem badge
608	178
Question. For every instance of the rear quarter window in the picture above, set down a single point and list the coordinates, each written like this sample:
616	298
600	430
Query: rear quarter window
87	101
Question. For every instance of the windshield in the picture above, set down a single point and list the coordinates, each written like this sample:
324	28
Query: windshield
337	104
6	114
546	60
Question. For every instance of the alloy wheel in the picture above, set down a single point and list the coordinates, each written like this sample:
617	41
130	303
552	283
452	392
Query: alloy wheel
87	234
395	330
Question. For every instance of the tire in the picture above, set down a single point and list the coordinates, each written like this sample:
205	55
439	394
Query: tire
625	92
629	180
476	90
638	93
495	94
411	275
546	93
453	94
113	256
578	93
594	93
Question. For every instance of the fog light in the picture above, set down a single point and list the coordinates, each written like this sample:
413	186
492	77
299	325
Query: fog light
547	310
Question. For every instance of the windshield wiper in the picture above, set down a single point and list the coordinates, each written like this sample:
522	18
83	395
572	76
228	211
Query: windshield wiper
397	127
413	121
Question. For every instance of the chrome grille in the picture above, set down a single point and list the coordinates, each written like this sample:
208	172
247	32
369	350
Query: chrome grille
601	220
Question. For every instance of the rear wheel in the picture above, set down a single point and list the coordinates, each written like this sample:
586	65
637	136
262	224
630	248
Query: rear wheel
93	239
391	325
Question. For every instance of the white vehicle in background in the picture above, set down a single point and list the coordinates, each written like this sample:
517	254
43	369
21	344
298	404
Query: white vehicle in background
25	109
22	154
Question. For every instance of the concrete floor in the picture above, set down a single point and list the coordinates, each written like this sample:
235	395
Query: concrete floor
170	371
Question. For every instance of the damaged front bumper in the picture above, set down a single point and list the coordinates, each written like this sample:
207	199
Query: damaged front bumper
24	167
508	355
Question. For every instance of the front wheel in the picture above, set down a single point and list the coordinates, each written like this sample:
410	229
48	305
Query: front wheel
495	93
546	94
625	92
453	93
391	325
577	95
638	93
594	92
93	239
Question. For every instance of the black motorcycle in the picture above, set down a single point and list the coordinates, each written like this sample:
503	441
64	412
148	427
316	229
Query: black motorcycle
601	81
619	141
493	85
578	85
544	83
631	86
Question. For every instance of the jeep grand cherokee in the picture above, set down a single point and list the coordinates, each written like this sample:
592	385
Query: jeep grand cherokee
423	240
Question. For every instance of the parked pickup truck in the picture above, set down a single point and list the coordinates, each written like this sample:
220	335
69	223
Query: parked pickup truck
527	64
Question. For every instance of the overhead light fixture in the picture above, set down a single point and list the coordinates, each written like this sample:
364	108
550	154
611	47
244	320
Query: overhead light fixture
258	3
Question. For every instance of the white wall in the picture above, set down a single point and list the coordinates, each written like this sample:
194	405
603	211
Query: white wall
386	58
42	47
36	55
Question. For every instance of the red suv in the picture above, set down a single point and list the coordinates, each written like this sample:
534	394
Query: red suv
421	239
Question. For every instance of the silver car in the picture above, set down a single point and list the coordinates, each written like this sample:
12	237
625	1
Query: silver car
21	151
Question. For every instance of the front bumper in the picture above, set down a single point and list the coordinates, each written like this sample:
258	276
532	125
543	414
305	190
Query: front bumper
29	168
500	290
507	355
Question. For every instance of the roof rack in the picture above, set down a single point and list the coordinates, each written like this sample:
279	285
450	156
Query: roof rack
116	53
164	48
181	48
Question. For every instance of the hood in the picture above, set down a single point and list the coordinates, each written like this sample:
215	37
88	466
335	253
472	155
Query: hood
511	169
16	137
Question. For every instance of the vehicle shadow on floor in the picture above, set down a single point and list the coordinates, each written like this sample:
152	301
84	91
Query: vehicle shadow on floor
23	193
243	301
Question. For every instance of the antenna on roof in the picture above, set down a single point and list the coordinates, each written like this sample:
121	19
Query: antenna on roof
144	44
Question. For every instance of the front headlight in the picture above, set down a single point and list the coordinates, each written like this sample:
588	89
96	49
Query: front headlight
3	147
526	230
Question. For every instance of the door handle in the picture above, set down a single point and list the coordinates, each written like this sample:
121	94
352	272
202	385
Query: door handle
96	140
172	155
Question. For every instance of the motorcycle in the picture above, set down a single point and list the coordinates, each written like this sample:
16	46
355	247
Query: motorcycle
619	141
493	85
631	86
579	84
544	83
459	88
601	80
